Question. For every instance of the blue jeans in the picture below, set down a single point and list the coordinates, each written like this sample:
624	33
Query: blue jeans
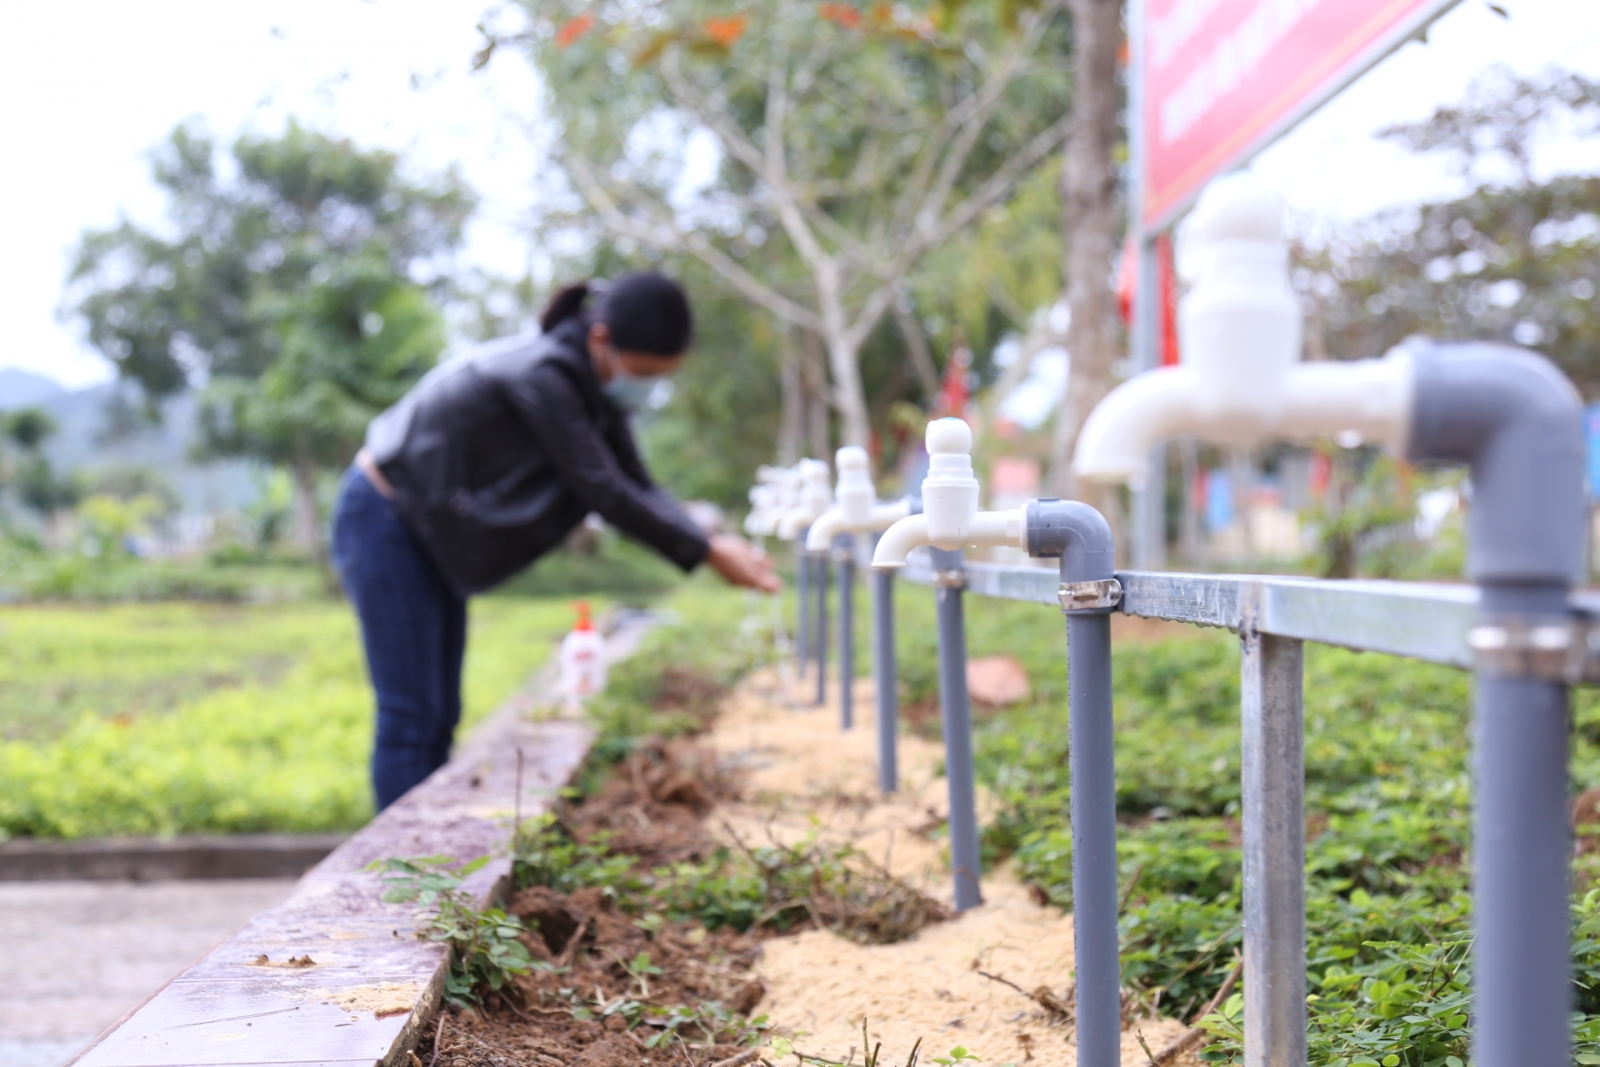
415	632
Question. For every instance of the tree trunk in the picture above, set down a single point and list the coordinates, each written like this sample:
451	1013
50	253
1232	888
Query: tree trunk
917	349
1089	208
307	521
848	395
816	375
792	425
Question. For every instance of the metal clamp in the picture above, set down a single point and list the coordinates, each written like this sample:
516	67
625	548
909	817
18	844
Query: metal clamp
1550	649
1101	595
950	578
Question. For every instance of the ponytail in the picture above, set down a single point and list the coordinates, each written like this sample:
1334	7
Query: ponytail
567	302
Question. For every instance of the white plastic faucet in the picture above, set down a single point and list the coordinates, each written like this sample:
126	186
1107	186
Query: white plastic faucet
1241	381
767	501
813	496
856	508
950	517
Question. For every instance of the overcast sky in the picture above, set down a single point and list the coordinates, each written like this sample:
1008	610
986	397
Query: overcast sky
87	87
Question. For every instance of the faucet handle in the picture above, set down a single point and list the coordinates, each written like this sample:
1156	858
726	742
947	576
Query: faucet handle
855	494
950	492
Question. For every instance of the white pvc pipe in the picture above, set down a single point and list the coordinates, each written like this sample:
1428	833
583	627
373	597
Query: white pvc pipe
985	529
833	523
1369	398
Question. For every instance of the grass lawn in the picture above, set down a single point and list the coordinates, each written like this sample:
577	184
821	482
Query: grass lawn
182	718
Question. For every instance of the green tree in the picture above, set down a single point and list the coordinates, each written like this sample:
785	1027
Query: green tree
347	348
858	139
35	481
1517	261
291	286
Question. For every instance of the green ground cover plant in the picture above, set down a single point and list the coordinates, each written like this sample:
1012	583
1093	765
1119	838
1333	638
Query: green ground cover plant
185	718
231	575
1388	796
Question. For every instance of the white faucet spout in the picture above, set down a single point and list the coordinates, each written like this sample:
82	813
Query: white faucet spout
1117	438
898	541
824	530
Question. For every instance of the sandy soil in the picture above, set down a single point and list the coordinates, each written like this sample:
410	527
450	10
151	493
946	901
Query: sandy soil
804	776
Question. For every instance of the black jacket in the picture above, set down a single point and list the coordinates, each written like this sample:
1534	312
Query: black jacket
497	456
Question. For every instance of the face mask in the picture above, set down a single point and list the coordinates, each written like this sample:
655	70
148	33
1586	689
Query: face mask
629	392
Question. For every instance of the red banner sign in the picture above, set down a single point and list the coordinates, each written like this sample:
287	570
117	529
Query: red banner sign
1223	78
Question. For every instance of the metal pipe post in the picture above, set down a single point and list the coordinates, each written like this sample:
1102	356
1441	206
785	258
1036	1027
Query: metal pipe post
847	634
883	674
1088	591
1273	726
955	710
820	644
802	598
1521	974
1094	840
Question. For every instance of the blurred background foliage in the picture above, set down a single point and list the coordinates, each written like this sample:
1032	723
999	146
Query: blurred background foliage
302	283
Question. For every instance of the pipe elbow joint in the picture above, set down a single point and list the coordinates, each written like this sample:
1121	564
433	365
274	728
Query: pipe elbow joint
1075	533
1517	421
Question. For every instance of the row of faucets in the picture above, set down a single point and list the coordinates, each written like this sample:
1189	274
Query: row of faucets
795	502
1241	383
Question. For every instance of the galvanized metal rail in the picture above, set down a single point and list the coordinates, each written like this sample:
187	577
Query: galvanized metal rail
1418	620
1274	616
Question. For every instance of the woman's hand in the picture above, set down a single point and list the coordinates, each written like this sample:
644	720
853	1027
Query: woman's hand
740	564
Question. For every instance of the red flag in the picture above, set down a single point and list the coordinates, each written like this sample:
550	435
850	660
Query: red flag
1128	283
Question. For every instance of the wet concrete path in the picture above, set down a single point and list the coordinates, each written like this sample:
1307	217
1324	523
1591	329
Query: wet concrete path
76	956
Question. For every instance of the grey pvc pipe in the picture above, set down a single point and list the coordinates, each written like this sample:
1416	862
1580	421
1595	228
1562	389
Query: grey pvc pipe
847	637
883	674
1080	536
1517	420
955	712
802	597
820	644
1522	982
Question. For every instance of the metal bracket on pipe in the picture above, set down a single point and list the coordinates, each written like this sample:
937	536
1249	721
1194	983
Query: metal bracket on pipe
950	578
1549	649
1101	595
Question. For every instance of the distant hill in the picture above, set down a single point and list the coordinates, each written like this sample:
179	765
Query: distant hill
90	438
22	388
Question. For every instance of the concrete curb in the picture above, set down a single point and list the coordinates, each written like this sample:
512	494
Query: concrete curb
154	860
371	985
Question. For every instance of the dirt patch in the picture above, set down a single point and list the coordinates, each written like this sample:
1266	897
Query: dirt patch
805	779
380	998
608	990
775	777
616	980
653	803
